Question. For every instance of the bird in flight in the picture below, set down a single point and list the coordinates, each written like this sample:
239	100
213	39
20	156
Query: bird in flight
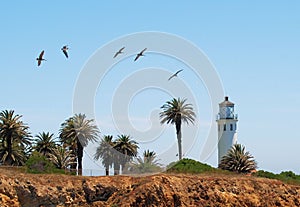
140	54
65	50
119	52
174	75
40	58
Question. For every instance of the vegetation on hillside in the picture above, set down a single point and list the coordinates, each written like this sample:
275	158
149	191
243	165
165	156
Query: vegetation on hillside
186	165
48	154
285	176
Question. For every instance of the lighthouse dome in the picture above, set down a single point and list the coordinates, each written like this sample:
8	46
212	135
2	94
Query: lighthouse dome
226	102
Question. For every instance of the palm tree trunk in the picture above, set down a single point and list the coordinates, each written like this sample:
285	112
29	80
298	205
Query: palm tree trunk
117	170
9	161
79	157
107	170
178	133
179	145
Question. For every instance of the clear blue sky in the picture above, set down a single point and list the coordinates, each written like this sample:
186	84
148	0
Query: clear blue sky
254	47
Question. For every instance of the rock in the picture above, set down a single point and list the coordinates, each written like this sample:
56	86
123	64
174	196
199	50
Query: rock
165	190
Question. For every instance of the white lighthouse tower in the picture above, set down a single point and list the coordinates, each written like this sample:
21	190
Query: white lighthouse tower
227	126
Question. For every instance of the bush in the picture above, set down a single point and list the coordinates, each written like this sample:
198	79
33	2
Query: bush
189	166
37	163
265	174
285	176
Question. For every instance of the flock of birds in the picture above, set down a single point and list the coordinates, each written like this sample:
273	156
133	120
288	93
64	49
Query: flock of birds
40	58
120	51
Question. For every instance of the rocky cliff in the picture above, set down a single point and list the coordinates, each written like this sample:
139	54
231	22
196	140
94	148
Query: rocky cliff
27	190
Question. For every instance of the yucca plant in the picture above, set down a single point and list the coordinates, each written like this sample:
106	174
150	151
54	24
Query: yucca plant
238	160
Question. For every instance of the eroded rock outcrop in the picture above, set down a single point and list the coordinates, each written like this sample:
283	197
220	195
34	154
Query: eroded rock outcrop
27	190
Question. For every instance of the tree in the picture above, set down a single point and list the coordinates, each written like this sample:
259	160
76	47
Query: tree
76	132
238	160
146	164
175	112
150	157
62	158
126	150
44	143
105	152
14	138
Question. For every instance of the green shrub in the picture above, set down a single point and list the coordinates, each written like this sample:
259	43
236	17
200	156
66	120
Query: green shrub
266	174
37	163
285	176
189	166
288	175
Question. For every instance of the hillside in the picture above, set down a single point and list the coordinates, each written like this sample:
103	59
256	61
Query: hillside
29	190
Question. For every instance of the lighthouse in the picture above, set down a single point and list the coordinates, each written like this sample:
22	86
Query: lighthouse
227	127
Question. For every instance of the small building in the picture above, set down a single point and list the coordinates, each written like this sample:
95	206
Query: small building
227	127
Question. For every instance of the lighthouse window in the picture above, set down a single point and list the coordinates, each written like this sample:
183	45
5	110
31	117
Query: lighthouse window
218	127
231	127
224	127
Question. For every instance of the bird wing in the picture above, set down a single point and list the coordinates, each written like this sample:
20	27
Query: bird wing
41	55
66	53
172	76
39	62
143	50
137	56
178	72
121	49
116	54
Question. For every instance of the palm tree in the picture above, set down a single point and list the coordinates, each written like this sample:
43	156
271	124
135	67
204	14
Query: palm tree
44	143
17	155
175	112
147	164
62	158
150	157
76	132
105	152
238	160
127	149
14	138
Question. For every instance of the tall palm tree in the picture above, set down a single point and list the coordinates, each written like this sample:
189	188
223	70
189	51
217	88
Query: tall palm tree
61	157
238	160
76	132
44	143
14	138
127	149
175	112
105	152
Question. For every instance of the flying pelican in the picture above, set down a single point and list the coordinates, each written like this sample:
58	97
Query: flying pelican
119	52
40	58
140	54
65	50
174	75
